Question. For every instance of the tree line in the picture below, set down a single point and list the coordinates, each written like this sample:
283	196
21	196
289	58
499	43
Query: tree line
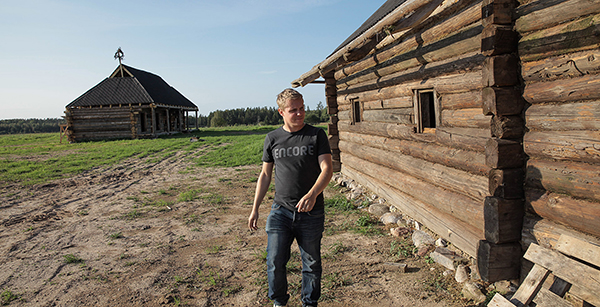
255	116
219	118
32	125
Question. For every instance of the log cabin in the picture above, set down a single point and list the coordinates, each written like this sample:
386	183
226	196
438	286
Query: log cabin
478	118
129	104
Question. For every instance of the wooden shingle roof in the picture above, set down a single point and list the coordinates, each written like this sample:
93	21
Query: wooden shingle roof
136	87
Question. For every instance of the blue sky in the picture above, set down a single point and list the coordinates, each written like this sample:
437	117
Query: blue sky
220	54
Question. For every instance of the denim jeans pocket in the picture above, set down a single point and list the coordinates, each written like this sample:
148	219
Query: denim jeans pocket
275	206
316	213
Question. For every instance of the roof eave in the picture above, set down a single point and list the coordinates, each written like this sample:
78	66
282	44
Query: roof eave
405	16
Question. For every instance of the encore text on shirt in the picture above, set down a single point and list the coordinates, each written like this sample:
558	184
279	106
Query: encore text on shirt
293	151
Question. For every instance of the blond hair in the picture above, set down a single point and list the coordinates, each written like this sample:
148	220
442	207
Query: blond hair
286	95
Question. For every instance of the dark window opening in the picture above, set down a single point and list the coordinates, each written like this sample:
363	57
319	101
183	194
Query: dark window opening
355	111
427	105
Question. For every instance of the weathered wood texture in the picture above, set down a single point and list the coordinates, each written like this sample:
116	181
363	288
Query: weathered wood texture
498	261
502	101
503	219
466	160
573	36
460	182
465	118
462	235
443	29
463	138
576	213
581	180
546	233
563	90
562	67
540	14
564	117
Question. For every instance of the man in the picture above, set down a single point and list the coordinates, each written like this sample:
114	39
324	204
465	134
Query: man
301	157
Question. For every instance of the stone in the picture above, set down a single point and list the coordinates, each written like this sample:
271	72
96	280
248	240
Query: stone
389	218
474	272
441	242
420	238
472	292
502	286
423	250
462	273
399	231
378	209
399	267
447	258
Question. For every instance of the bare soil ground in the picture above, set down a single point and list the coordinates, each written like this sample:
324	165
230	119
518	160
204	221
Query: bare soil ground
127	236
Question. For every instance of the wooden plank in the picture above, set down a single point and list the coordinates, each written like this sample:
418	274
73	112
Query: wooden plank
531	284
578	248
507	127
403	132
501	70
498	39
396	116
576	146
498	261
570	270
583	294
460	234
500	301
503	154
547	298
503	219
506	183
497	11
542	14
463	100
502	101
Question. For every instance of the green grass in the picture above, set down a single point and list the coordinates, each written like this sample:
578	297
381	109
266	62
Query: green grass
7	296
39	158
70	258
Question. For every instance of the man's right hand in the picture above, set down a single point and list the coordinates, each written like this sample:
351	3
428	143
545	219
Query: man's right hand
253	221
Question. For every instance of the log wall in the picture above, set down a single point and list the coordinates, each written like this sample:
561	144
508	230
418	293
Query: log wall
439	177
560	60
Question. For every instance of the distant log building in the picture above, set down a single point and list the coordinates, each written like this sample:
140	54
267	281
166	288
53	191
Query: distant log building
479	118
129	104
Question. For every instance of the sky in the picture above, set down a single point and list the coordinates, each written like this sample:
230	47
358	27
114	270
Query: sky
220	54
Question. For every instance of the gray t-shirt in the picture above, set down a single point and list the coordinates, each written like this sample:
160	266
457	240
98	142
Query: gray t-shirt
296	159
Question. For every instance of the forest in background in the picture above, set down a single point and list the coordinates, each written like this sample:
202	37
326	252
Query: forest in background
219	118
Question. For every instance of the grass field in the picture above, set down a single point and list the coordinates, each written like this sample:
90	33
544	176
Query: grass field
38	158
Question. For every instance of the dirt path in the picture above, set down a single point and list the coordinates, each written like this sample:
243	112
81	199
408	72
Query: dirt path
167	234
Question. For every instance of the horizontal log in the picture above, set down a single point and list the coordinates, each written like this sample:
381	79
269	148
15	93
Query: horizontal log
562	67
455	83
564	90
465	118
574	213
381	129
466	160
504	154
564	117
546	232
464	100
463	64
541	14
460	182
439	31
576	146
453	53
581	180
454	204
574	36
460	234
397	116
463	138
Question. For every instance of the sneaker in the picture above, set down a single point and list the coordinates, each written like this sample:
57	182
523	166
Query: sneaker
277	305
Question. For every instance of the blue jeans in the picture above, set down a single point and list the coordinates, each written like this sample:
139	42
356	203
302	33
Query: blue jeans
283	226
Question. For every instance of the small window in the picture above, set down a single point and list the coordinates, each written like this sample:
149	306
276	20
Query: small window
356	114
426	111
